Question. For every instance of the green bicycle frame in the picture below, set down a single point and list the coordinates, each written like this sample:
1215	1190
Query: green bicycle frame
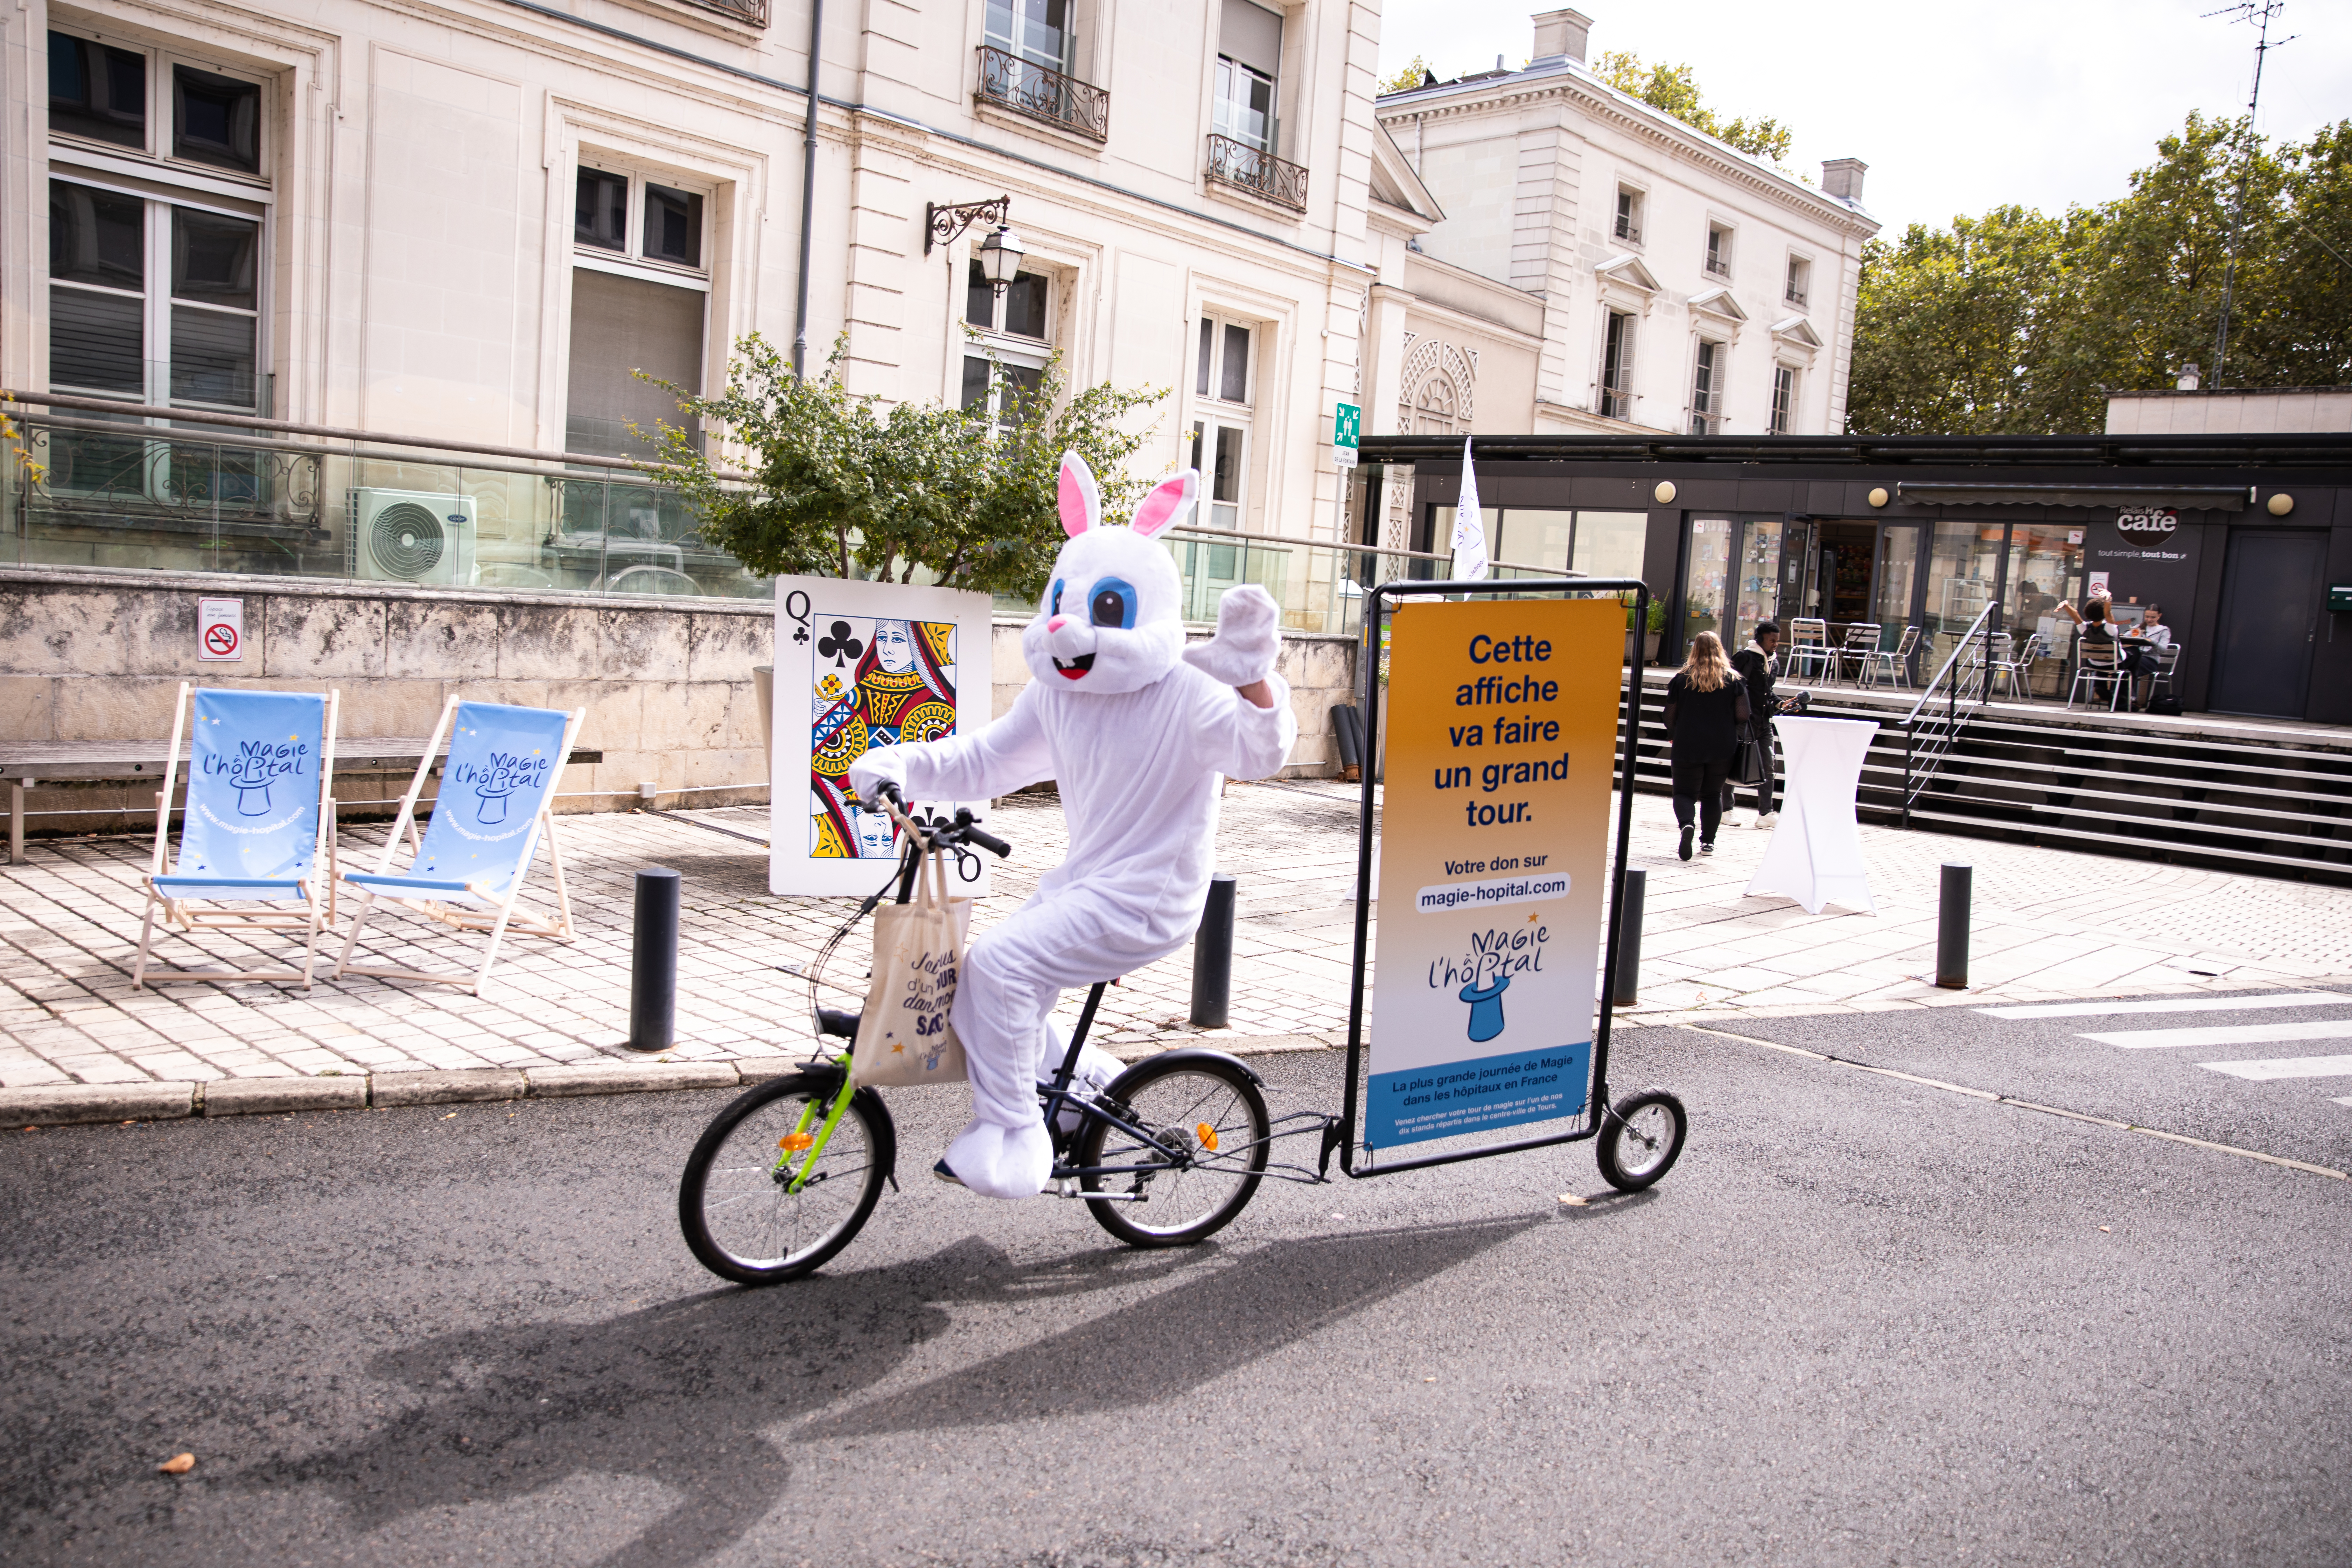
832	1116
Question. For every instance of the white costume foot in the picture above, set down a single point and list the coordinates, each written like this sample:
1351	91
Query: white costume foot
1002	1163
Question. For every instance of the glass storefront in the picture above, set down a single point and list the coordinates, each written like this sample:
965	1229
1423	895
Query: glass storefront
1963	567
1847	570
1707	582
1589	543
1756	594
2045	567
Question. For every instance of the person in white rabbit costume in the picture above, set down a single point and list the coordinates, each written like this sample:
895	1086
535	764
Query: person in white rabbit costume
1136	729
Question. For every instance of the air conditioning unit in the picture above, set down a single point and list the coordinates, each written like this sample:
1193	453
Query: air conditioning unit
409	536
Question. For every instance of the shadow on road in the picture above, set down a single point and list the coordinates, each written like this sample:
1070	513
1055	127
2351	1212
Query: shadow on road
684	1394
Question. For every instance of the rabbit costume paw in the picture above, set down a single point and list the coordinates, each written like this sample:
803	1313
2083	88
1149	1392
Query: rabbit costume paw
1248	640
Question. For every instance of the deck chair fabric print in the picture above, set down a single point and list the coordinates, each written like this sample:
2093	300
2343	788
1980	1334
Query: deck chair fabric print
258	828
498	786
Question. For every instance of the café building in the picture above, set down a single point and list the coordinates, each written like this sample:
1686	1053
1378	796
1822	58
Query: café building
2243	541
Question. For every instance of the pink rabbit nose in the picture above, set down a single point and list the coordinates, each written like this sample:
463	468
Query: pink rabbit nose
1057	623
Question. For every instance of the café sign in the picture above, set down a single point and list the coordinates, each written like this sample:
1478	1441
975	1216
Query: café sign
2148	523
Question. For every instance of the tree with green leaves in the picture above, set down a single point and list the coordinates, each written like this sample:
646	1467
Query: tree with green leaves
1415	73
839	485
2015	323
1674	89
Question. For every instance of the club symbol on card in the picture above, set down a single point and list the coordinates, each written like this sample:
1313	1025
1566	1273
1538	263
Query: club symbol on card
840	646
796	606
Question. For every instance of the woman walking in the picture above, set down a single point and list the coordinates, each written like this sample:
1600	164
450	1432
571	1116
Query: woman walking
1705	705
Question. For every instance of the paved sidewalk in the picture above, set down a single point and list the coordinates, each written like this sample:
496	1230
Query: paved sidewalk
2048	925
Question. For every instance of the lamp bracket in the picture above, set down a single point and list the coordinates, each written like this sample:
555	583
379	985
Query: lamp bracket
942	224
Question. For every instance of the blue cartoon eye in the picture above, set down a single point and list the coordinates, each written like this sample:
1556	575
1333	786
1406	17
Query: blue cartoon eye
1054	608
1113	604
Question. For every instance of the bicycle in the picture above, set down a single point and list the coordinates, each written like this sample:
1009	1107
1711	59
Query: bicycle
785	1176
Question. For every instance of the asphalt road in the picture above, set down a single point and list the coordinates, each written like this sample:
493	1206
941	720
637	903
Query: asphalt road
1861	1322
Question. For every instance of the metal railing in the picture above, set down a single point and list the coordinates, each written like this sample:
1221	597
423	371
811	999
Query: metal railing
1716	267
1616	404
1041	93
1260	172
1628	230
1928	737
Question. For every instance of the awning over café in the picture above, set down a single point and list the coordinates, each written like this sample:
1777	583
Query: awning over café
2209	498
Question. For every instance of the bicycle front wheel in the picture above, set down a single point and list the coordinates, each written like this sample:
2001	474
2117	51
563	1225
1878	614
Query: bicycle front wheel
745	1216
1206	1151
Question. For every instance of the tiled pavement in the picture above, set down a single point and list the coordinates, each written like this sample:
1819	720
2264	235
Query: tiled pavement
2047	924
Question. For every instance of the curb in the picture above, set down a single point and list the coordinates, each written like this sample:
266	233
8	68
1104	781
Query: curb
59	1105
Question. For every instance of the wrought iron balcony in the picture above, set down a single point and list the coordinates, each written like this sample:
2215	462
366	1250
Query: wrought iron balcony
1029	88
1628	230
1261	174
754	12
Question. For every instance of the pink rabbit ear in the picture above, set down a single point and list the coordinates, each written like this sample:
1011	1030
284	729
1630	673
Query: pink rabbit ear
1081	502
1168	501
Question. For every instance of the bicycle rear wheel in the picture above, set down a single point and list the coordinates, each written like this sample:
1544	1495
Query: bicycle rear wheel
736	1203
1208	1148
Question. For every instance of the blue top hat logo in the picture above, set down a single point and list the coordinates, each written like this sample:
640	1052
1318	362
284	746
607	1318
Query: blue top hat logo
1486	1006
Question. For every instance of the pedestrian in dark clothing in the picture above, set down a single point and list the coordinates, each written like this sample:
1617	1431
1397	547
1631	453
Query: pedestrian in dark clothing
1705	705
1754	664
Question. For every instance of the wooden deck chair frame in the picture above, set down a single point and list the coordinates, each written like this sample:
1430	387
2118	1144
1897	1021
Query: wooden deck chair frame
494	919
182	913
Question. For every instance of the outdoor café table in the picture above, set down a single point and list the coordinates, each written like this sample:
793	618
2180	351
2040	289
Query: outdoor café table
25	762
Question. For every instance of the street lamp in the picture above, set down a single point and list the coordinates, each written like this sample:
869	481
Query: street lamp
999	258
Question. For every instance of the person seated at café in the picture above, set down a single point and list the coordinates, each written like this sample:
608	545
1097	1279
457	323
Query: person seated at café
2151	628
2151	633
2097	621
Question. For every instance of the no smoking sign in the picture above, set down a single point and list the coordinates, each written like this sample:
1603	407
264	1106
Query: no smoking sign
220	630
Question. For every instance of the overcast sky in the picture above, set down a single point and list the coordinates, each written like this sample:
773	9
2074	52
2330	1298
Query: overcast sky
1955	108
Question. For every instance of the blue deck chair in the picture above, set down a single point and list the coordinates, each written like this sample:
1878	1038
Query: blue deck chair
258	828
498	786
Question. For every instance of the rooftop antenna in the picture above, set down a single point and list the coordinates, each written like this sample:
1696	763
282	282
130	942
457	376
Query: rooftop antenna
2261	13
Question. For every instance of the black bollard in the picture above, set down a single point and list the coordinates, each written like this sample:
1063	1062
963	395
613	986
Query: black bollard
1213	956
653	963
1626	983
1952	928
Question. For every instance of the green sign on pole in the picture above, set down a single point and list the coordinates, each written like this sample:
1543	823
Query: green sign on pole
1346	426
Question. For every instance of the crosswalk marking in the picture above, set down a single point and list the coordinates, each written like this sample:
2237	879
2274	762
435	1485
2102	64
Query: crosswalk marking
2226	1035
2287	1067
2168	1005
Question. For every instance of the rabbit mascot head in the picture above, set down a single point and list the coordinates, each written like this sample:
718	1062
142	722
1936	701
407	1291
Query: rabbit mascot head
1109	620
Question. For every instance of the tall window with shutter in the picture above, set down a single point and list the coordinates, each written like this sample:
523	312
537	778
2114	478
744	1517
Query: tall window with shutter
640	292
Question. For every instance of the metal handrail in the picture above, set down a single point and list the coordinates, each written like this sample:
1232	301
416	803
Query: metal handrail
1958	648
1949	731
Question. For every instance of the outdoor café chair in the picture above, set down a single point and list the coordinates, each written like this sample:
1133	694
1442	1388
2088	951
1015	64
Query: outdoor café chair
497	785
1809	647
2096	665
258	826
1860	643
2167	660
1896	661
2012	664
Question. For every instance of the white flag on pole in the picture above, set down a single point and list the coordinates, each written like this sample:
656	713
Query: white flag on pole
1469	527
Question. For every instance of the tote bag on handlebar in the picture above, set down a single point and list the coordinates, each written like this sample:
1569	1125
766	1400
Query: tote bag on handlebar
904	1037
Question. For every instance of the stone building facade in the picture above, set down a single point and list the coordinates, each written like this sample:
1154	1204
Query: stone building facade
1557	257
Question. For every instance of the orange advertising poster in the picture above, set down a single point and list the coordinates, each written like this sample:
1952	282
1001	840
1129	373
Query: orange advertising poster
1501	747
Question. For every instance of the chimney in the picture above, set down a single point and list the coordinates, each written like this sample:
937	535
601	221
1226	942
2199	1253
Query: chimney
1842	177
1560	35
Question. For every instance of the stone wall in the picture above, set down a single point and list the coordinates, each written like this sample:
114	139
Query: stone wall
666	684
